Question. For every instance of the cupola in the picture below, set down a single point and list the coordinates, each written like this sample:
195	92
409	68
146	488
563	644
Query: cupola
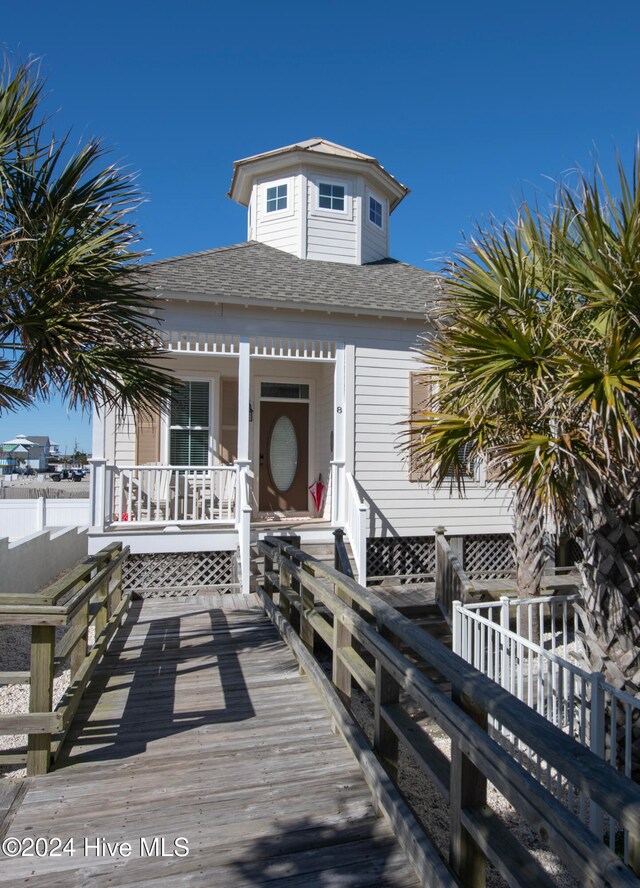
318	200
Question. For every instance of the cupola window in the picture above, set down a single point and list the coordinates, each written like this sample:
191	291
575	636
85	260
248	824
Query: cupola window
330	197
276	198
375	211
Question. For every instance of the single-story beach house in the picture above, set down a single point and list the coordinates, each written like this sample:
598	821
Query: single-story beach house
295	371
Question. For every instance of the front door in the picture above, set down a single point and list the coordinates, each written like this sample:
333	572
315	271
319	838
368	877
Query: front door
284	456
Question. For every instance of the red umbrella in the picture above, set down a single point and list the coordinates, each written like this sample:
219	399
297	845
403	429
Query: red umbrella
317	492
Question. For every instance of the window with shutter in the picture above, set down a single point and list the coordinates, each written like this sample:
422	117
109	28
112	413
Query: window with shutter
420	392
189	424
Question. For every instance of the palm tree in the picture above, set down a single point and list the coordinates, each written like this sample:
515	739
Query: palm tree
489	369
535	367
73	317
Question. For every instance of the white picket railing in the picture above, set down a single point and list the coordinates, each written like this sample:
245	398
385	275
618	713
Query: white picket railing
356	527
537	671
154	495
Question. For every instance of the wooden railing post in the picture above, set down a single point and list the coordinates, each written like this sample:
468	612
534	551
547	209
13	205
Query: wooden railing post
307	603
269	587
468	789
341	676
284	582
43	645
102	599
385	740
441	566
79	651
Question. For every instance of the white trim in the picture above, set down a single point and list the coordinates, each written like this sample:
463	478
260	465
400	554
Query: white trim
368	193
244	399
316	179
263	186
213	378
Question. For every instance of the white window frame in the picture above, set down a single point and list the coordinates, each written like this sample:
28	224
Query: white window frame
165	441
316	210
274	183
385	210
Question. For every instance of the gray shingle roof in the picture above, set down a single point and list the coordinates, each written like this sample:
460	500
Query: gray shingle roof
256	273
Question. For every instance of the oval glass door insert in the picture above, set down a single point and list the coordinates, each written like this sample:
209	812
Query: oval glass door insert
283	453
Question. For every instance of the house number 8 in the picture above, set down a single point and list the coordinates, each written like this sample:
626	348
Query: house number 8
338	409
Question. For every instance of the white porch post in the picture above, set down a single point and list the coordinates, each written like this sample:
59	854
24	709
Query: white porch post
243	462
98	469
339	440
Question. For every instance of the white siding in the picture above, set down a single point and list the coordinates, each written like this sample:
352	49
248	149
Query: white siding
375	241
332	236
397	505
281	229
124	453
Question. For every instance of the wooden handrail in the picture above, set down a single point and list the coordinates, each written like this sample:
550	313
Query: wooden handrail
89	594
476	833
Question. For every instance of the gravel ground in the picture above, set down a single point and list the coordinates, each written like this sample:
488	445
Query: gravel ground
14	655
433	811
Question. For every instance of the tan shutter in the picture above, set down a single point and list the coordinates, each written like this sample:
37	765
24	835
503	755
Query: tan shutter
229	421
491	473
420	392
147	437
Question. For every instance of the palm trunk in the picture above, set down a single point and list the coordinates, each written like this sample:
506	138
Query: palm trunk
530	551
610	573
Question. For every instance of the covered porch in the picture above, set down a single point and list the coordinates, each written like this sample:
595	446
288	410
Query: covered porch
253	424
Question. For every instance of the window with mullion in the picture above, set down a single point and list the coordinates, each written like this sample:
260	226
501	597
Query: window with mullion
375	212
330	197
189	424
276	198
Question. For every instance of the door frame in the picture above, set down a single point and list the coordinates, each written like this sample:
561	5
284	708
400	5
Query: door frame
257	418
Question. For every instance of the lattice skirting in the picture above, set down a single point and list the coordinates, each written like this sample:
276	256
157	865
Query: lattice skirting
176	574
413	557
489	556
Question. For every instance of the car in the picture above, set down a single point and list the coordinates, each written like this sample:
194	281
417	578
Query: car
62	475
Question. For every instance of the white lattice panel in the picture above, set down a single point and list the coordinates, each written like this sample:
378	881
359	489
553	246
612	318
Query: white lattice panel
179	573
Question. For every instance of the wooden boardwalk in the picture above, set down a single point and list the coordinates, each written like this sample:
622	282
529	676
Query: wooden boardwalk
198	725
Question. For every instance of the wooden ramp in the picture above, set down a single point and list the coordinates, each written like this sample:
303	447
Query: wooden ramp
199	726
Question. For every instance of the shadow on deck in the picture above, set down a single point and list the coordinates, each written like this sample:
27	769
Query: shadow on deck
199	726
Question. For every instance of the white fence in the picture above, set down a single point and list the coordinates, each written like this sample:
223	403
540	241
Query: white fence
535	669
22	517
30	563
171	494
356	527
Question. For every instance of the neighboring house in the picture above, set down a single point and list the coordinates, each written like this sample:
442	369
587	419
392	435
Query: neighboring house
32	451
8	461
293	357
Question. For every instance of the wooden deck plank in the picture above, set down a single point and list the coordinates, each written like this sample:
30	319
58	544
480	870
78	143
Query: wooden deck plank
198	724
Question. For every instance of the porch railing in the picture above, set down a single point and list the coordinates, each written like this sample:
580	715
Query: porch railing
356	527
538	672
171	494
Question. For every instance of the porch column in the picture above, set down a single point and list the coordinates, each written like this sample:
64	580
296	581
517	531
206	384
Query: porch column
98	469
339	439
243	462
243	399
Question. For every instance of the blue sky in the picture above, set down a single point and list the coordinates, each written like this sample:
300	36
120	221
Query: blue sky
466	103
